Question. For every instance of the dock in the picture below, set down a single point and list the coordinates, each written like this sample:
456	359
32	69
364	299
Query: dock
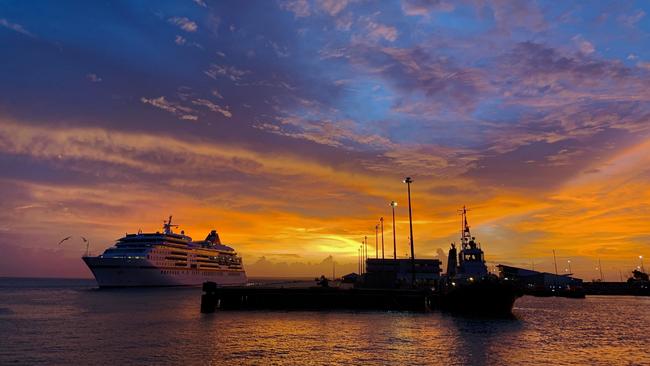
314	298
617	288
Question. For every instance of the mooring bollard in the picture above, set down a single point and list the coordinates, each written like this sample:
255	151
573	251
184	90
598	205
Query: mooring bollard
209	297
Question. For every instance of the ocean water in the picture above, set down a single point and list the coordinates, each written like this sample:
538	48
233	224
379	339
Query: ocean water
70	322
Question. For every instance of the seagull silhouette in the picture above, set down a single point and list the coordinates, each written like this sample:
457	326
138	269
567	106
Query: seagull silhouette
64	239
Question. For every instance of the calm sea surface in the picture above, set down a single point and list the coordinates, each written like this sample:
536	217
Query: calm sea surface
70	322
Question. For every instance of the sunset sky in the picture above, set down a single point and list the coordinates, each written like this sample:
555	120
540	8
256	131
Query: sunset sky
288	126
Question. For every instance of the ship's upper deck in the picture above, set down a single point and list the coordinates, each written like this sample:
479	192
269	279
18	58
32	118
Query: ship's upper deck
173	240
471	259
141	242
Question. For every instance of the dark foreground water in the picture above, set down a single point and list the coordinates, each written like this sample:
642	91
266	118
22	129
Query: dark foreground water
69	322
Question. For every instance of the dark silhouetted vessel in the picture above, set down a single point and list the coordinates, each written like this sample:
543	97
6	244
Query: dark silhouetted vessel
468	287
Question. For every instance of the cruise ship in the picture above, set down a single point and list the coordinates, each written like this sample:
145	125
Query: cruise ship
166	259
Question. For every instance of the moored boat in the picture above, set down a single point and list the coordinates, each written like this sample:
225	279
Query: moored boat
468	287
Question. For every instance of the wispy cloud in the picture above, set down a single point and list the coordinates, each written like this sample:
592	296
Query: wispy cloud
93	78
425	7
184	24
326	132
378	31
213	107
444	85
216	93
584	46
14	27
332	7
632	19
231	72
300	8
172	107
180	40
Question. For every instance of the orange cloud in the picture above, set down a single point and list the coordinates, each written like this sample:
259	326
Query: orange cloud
304	210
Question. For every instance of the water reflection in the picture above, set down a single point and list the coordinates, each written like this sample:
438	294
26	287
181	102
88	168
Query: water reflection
74	324
481	341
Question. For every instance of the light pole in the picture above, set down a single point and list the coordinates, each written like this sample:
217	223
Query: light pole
569	262
641	260
393	204
365	261
359	261
377	241
556	275
408	182
381	221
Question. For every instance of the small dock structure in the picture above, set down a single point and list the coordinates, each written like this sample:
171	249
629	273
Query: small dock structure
398	273
543	284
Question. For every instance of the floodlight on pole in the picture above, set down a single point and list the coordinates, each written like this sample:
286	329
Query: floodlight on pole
381	221
377	241
408	182
359	261
393	204
641	260
365	262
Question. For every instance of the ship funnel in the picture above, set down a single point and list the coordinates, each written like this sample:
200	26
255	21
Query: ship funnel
451	261
213	237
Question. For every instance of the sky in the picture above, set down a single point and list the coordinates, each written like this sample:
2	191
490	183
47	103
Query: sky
289	126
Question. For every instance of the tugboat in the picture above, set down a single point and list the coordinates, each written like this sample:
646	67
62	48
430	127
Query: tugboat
468	287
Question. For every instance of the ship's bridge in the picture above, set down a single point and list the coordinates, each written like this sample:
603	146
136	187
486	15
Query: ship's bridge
471	259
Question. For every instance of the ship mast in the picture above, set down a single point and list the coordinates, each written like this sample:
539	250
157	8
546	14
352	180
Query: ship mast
167	226
465	235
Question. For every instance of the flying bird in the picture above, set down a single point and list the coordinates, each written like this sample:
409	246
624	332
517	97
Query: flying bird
64	239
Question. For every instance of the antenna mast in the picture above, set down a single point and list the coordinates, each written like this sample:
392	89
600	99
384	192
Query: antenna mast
167	226
465	235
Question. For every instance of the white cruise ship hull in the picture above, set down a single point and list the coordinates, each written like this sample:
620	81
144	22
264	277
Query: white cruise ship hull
122	272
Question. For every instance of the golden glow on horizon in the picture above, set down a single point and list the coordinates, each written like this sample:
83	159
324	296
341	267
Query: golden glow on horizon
601	212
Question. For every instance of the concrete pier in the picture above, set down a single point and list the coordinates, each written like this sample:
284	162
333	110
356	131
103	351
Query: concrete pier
314	298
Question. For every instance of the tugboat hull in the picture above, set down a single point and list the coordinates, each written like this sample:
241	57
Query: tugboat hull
494	298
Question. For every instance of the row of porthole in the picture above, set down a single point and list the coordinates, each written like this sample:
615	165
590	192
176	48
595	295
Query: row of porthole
169	272
195	272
